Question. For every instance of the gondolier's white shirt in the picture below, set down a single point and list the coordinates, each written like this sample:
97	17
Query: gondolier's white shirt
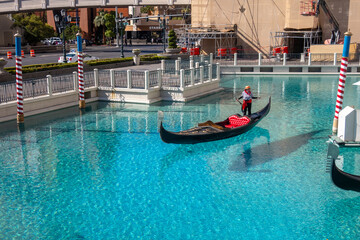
247	96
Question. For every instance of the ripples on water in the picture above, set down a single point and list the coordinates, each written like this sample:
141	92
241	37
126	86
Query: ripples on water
105	174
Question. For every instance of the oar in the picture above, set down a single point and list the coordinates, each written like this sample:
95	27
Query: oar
238	101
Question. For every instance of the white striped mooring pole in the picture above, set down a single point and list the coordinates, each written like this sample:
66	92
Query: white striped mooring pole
19	81
342	79
80	71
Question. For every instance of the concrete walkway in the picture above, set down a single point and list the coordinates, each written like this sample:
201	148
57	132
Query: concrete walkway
149	67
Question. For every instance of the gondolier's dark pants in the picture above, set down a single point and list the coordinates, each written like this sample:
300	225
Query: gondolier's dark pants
248	109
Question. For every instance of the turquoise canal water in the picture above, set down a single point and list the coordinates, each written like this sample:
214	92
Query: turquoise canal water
106	174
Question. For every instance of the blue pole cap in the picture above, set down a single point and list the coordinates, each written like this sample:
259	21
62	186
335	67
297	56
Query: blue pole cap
346	44
17	44
79	42
17	34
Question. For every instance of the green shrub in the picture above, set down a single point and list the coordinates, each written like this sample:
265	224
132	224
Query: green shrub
172	39
40	67
108	61
52	66
151	57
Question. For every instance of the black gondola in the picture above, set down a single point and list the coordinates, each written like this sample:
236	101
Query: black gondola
340	178
209	131
344	180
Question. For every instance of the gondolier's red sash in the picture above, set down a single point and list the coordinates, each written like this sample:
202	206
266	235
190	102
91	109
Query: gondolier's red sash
245	103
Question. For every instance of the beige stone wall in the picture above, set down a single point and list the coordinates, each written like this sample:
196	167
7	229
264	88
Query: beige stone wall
354	21
6	33
256	19
322	52
296	21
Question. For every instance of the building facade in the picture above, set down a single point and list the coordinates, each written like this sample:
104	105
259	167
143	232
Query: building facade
6	33
260	26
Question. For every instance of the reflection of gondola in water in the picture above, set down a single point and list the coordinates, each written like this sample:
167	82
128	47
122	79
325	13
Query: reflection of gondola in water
340	178
209	131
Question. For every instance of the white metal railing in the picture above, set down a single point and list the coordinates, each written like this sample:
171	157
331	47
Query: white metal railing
201	73
286	59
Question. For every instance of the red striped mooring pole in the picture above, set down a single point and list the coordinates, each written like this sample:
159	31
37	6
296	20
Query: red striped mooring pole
342	79
19	81
80	72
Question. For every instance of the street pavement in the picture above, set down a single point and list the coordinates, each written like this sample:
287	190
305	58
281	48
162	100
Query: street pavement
97	51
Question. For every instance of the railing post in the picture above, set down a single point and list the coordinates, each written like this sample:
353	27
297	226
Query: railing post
191	58
76	82
210	73
182	78
211	58
235	59
159	77
162	65
202	58
196	71
128	76
49	84
302	57
192	80
191	63
284	59
335	59
112	78
259	63
218	71
309	59
177	67
96	77
201	74
146	79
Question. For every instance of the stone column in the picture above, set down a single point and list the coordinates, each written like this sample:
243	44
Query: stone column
49	84
128	75
260	56
96	77
146	79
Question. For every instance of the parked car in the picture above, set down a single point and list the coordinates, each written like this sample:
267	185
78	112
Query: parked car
72	57
46	41
55	40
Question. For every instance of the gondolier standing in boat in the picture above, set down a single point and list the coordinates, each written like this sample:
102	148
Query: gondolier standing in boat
247	97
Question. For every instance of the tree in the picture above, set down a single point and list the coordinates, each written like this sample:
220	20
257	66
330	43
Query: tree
71	31
99	21
147	9
172	39
110	25
34	29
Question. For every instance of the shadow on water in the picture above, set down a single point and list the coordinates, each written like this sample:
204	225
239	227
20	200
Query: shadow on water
269	151
189	150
